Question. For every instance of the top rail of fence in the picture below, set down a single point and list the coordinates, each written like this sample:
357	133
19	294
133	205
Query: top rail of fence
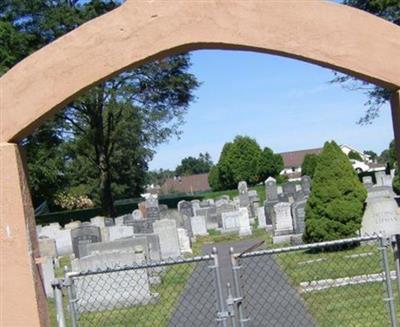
307	246
144	265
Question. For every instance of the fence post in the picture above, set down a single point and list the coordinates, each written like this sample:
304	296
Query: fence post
69	284
56	285
236	287
222	315
396	252
383	245
230	304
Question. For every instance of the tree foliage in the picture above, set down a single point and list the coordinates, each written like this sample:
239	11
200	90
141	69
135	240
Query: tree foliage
354	155
104	138
309	164
243	160
336	204
193	166
271	164
377	96
373	155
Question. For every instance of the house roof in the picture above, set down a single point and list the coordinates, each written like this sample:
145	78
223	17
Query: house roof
186	184
295	158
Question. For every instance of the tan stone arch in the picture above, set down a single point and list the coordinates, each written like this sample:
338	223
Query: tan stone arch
319	32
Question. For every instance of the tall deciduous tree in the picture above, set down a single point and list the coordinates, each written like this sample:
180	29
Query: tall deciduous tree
271	164
109	134
336	204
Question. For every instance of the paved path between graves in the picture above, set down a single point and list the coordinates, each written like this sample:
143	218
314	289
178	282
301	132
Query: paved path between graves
269	298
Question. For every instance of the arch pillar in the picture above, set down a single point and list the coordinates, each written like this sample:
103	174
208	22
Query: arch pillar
395	106
23	301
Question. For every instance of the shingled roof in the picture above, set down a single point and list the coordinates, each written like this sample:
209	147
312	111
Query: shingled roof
295	158
186	184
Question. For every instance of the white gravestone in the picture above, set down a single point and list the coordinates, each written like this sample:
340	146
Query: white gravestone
230	221
382	215
199	225
47	247
184	241
118	232
168	234
72	225
98	221
47	268
244	222
261	218
62	238
282	219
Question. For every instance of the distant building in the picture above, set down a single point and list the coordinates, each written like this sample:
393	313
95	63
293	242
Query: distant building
186	184
293	160
347	149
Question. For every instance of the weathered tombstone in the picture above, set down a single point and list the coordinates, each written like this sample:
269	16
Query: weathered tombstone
230	221
61	236
204	204
282	219
244	222
72	225
152	209
306	184
221	202
164	212
185	208
199	226
367	181
128	220
98	221
261	218
289	190
119	221
118	246
244	200
117	232
298	214
271	190
195	204
143	226
47	268
381	213
168	234
137	214
82	236
108	221
108	296
184	241
226	207
47	247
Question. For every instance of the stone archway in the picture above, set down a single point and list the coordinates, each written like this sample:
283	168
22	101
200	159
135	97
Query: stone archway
319	32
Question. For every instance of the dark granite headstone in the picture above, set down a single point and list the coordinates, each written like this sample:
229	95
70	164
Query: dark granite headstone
269	211
298	214
144	226
306	184
84	235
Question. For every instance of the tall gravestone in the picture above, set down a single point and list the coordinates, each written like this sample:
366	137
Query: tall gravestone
185	209
271	192
261	218
142	226
169	242
381	213
282	219
306	184
289	191
152	209
244	200
230	221
244	222
82	236
298	214
198	225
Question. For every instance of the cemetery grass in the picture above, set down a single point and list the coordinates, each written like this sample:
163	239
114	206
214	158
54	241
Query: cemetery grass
352	305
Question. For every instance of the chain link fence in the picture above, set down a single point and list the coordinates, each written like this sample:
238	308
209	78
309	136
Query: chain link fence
349	282
340	283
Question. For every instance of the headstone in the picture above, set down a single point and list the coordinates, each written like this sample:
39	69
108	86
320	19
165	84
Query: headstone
382	215
289	191
184	241
98	221
271	189
143	226
47	268
119	221
163	211
282	219
168	234
142	207
117	232
72	225
382	179
61	236
230	221
244	222
199	226
306	184
128	220
153	243
84	235
47	247
244	200
298	214
137	214
261	218
108	221
185	208
152	210
109	296
195	204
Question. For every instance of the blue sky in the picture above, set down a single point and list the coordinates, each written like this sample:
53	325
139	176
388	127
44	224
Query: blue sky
283	103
